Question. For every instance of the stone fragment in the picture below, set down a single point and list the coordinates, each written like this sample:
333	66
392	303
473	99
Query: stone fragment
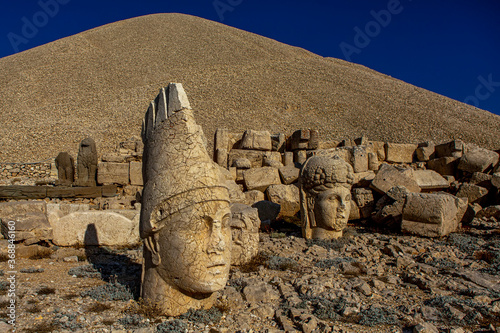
261	178
28	219
300	156
389	176
489	212
399	152
278	142
425	328
325	196
260	293
242	163
481	179
221	157
65	169
256	140
425	151
430	180
363	179
389	209
136	173
473	193
96	228
478	160
221	139
254	156
272	159
373	163
287	196
253	196
431	215
87	163
378	147
359	159
113	173
364	200
245	224
288	159
495	180
177	98
300	140
236	194
289	174
444	165
453	148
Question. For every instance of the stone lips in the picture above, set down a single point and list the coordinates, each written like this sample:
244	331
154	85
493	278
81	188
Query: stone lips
96	83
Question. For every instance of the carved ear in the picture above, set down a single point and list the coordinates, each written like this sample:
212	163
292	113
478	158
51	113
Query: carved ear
153	246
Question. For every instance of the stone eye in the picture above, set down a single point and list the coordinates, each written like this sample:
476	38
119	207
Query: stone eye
225	220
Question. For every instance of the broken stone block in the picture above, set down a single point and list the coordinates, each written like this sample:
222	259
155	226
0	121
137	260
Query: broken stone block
430	180
481	179
354	213
242	163
399	152
363	179
136	173
278	142
289	174
255	157
260	293
388	210
453	148
113	173
245	226
272	158
28	219
478	160
378	147
425	151
97	228
288	159
328	144
313	142
261	178
287	196
256	140
444	165
472	192
364	201
373	163
236	194
221	157
431	215
300	140
389	176
359	159
300	156
253	196
221	139
495	180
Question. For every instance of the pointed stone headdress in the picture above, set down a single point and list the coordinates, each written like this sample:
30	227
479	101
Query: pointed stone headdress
178	172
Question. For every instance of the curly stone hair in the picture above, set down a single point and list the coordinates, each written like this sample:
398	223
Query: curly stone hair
323	172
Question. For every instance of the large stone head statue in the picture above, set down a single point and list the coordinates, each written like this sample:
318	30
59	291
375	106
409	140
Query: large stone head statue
325	196
185	216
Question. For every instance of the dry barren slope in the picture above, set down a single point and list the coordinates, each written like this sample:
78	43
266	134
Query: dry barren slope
98	83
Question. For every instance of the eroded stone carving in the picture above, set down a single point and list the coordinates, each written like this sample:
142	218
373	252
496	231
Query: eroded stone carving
185	214
86	164
245	224
325	196
65	165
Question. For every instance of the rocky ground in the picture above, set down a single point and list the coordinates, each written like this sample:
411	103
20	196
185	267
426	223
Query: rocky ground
369	281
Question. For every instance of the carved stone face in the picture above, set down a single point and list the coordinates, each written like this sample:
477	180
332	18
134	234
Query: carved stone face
331	208
195	247
245	225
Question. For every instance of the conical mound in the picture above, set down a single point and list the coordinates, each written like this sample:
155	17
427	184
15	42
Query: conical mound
98	84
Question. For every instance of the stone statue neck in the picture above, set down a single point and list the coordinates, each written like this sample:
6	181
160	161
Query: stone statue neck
320	233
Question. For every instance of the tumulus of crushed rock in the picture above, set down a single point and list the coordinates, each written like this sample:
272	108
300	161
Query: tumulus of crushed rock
99	83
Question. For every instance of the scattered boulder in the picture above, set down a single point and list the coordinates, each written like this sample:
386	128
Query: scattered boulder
478	160
389	176
28	219
287	196
261	178
431	215
473	193
430	180
289	174
256	140
400	152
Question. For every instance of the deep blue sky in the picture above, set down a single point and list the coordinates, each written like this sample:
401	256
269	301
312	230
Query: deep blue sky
451	47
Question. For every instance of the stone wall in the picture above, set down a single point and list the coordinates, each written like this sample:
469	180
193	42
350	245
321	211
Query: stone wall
27	173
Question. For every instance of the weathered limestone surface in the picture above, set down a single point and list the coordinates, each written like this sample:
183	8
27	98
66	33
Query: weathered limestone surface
103	228
255	157
430	180
289	174
399	152
135	170
30	221
185	214
495	180
389	176
65	165
113	173
478	160
87	163
473	193
245	224
425	151
256	140
287	196
261	178
445	166
253	196
431	215
453	148
325	196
